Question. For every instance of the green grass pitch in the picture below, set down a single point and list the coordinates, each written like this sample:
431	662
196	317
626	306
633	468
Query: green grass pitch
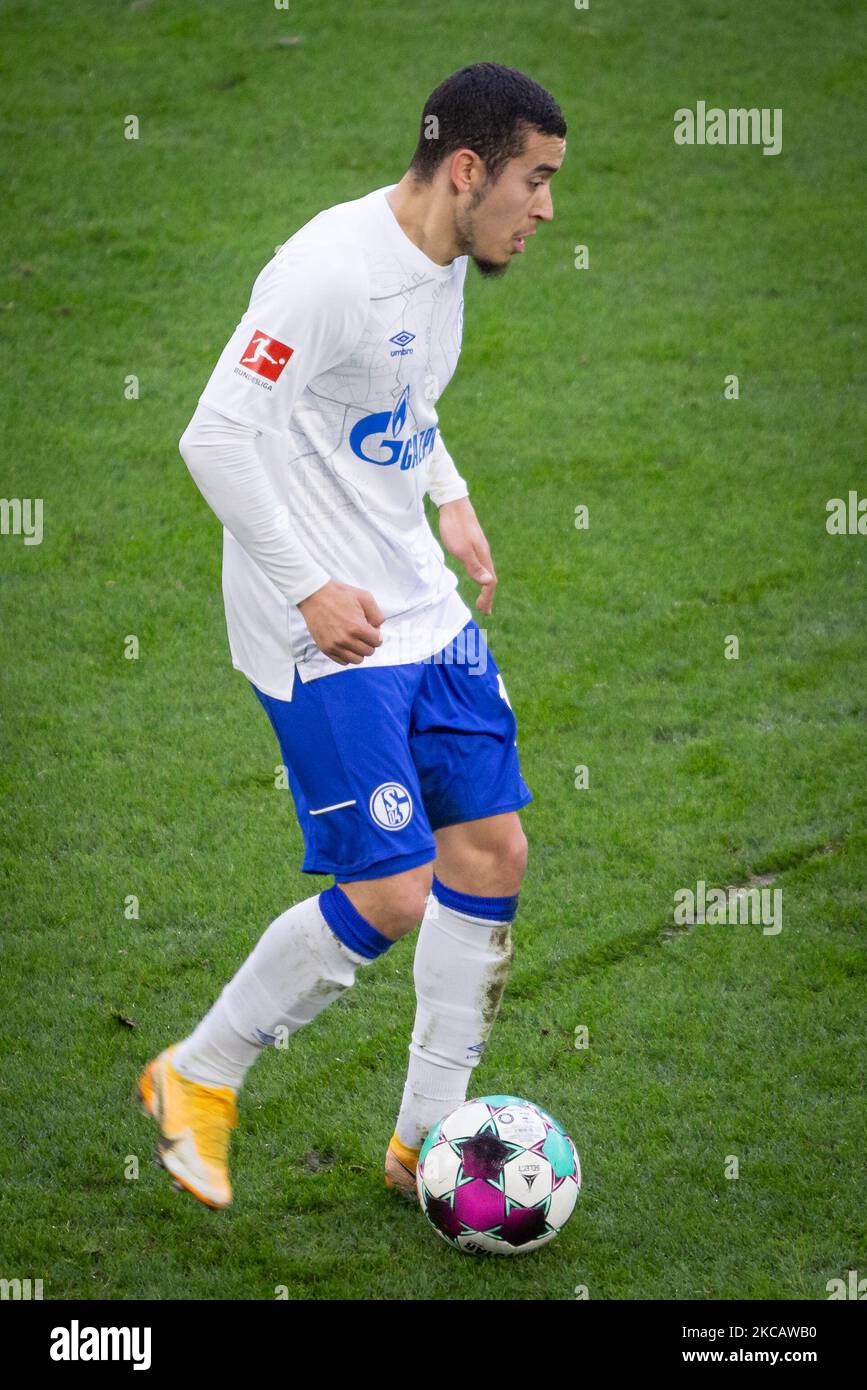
601	387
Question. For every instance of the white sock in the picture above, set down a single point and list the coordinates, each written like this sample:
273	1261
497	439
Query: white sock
297	968
460	970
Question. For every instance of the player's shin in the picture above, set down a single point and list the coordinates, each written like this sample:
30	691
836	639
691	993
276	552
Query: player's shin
305	960
462	960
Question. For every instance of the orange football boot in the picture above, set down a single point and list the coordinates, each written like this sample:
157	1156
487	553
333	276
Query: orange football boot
400	1166
195	1127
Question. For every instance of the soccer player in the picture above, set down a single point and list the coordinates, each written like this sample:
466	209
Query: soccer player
315	442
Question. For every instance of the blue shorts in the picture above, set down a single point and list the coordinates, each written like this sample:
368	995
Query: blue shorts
379	757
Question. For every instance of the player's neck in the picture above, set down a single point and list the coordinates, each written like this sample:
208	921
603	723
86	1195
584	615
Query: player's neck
422	216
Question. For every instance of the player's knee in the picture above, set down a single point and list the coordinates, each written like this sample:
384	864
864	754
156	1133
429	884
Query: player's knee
403	900
512	853
394	904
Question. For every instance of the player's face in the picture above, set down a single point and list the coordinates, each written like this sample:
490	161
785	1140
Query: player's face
499	216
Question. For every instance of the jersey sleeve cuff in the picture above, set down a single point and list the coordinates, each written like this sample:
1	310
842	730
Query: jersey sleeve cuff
453	492
315	580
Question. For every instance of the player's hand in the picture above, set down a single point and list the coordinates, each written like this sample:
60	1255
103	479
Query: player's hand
464	538
344	622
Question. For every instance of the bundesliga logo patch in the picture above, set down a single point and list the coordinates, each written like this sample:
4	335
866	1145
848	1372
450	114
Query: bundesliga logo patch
266	356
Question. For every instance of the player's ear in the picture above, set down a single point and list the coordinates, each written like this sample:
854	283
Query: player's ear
462	169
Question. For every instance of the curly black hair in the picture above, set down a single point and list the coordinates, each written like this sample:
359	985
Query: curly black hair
486	108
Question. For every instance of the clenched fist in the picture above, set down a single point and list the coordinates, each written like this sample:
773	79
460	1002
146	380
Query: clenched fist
344	622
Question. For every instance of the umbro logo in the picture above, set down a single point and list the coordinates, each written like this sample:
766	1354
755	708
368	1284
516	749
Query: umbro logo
402	341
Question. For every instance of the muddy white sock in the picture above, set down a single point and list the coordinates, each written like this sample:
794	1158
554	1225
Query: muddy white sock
305	960
462	961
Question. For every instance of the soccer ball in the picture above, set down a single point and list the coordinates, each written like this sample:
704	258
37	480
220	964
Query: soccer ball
498	1176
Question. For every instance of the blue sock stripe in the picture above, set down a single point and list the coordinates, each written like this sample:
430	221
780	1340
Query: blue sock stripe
349	926
493	909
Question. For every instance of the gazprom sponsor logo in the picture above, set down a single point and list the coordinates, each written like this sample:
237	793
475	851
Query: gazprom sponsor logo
380	438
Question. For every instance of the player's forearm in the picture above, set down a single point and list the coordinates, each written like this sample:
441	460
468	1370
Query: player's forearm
222	459
459	511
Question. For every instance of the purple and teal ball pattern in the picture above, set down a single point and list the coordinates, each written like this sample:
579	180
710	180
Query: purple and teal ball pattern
498	1176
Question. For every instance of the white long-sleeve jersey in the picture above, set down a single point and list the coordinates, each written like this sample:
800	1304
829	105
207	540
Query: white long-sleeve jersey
316	440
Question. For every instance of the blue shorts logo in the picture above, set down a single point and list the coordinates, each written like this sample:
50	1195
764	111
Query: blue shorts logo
391	806
389	427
